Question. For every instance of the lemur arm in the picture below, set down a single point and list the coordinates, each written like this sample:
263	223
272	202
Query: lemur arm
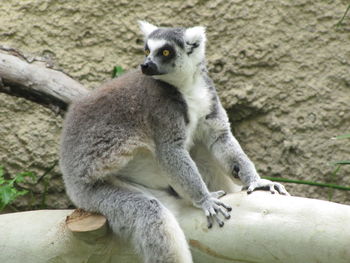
169	138
185	178
228	152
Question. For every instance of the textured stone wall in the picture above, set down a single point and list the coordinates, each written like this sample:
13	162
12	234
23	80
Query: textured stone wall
281	67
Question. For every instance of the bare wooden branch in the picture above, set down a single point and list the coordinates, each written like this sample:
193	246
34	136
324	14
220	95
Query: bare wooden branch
37	83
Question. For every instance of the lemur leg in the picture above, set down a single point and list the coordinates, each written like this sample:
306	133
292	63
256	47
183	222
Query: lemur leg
152	228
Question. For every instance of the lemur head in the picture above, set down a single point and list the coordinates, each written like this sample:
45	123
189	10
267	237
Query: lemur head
173	54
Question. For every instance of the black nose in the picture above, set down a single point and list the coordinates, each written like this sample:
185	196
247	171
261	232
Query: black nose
144	66
149	68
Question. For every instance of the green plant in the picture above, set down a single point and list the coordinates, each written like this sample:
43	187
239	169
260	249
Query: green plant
285	180
332	186
341	20
117	71
342	162
338	164
9	190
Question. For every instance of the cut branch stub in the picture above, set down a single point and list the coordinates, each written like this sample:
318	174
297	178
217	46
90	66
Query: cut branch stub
86	225
82	221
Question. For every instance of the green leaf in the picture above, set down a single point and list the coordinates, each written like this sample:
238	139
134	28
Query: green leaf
345	162
279	179
344	136
336	170
22	192
341	20
8	190
2	179
20	177
6	194
117	71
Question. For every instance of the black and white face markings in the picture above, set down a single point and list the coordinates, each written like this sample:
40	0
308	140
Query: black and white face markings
192	46
164	53
163	47
172	35
160	57
170	52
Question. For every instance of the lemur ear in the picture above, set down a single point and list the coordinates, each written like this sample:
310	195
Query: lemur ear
146	27
195	36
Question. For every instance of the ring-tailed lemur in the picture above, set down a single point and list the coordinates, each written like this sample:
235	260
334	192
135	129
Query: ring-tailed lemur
143	145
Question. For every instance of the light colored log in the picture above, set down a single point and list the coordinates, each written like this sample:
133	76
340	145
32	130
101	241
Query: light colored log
39	79
263	228
272	228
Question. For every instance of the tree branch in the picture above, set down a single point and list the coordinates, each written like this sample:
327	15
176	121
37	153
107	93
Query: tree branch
48	87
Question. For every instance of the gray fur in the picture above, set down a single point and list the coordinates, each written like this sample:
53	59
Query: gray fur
174	35
127	143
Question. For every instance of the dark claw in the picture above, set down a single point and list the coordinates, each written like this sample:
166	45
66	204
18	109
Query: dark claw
210	224
224	213
220	223
236	169
228	208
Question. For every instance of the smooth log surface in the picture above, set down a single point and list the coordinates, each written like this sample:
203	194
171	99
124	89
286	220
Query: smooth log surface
263	228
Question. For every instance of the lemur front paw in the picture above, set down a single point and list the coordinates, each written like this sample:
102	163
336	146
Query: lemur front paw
212	206
266	185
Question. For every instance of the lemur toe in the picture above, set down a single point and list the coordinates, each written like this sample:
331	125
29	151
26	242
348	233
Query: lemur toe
219	221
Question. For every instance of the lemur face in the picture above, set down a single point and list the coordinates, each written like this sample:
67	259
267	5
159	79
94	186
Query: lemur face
172	54
162	56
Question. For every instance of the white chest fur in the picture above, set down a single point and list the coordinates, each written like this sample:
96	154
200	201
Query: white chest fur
198	99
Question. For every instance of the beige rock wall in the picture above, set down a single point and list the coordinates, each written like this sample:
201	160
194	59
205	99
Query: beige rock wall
281	67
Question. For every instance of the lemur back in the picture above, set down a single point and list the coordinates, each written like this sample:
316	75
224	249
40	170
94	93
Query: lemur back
104	130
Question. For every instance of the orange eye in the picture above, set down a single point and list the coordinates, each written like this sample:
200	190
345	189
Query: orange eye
147	52
166	52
